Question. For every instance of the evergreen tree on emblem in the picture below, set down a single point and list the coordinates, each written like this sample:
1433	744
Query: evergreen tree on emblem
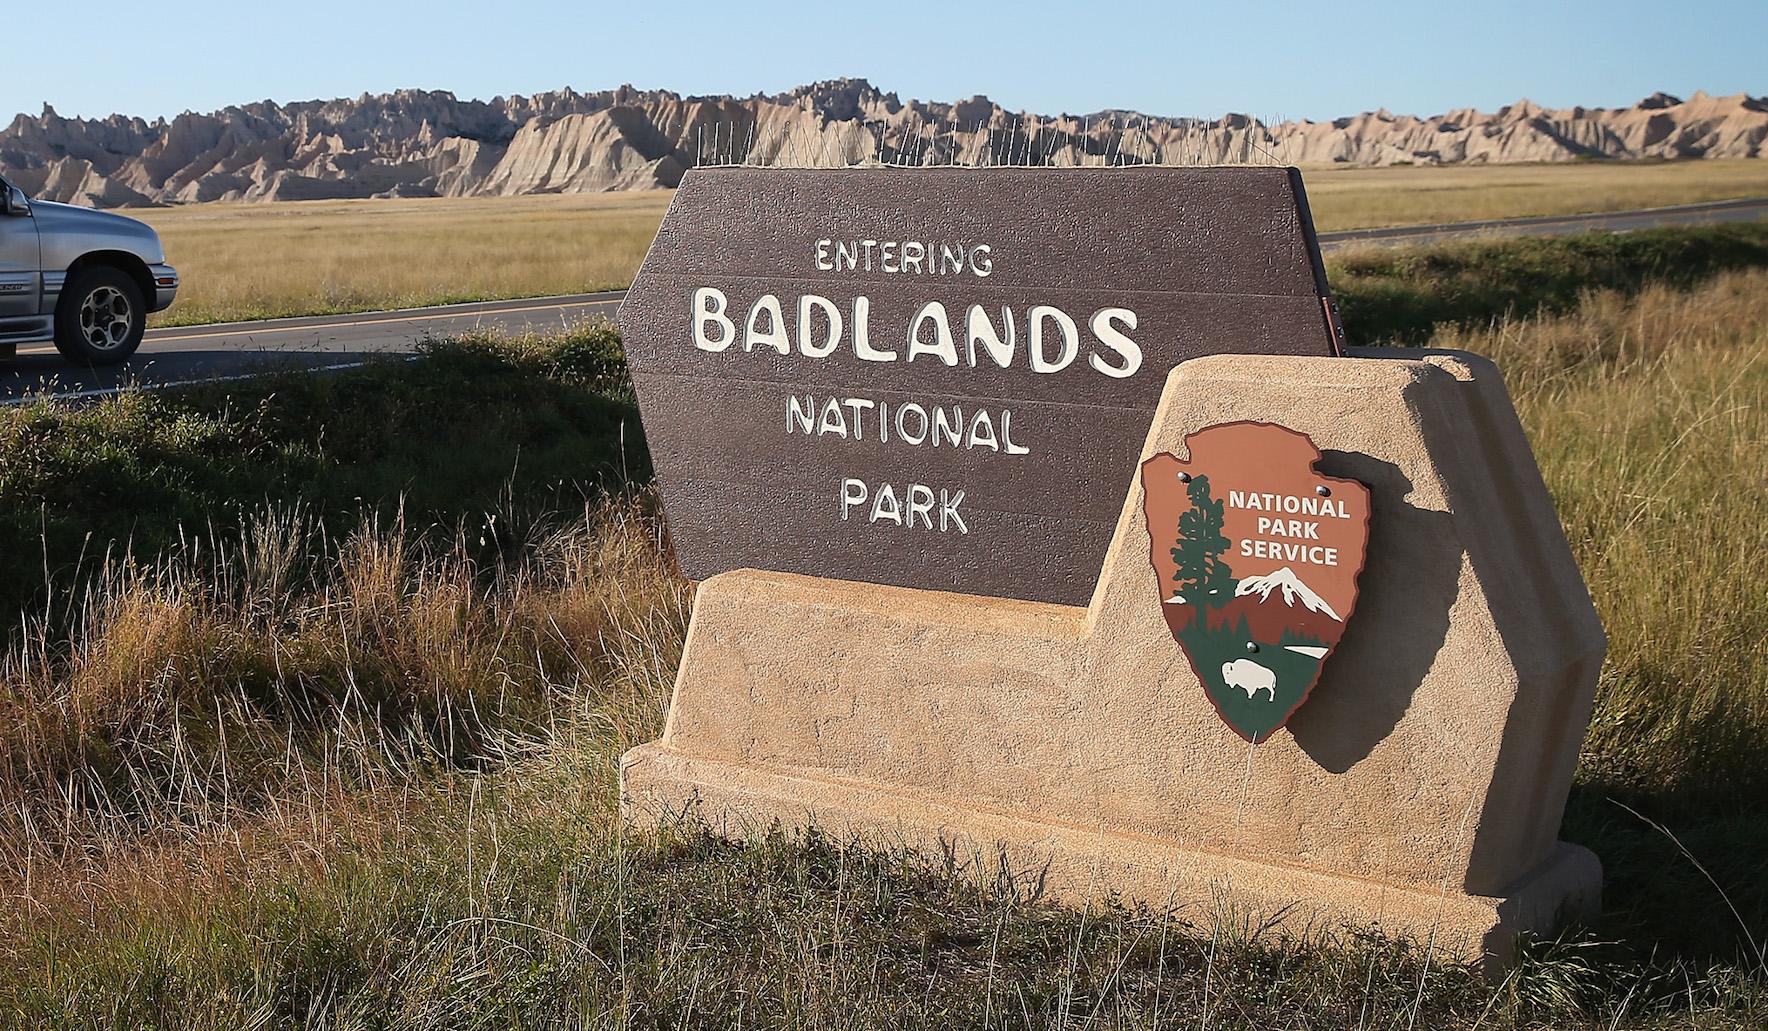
1202	577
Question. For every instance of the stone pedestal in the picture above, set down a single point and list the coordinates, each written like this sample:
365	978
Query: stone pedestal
1420	788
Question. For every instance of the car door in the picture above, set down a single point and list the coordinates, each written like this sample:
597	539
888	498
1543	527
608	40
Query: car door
21	280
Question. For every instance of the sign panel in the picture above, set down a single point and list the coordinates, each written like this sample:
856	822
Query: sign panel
1257	557
941	377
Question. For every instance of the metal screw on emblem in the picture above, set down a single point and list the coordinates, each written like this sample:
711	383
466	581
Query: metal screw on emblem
1323	490
1252	646
1184	477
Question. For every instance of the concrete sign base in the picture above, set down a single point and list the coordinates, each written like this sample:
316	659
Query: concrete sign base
1419	788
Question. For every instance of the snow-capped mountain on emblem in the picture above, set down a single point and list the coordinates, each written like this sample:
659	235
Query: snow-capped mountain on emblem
1269	605
1292	588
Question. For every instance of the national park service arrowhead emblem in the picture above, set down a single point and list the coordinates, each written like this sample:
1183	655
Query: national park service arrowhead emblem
1257	557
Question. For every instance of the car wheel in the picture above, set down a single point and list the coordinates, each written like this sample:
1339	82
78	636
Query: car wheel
100	317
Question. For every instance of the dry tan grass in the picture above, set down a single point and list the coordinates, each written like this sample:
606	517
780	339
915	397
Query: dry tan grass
282	671
248	261
1404	195
1649	417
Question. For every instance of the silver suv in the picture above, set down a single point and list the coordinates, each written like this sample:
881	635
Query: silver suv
86	279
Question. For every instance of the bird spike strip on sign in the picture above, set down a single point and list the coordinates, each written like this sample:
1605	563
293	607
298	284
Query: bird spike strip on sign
941	378
1257	557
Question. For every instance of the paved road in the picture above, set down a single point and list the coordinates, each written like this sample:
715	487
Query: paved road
240	349
1749	209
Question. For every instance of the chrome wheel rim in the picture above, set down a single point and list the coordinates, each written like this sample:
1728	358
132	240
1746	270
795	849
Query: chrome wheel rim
106	318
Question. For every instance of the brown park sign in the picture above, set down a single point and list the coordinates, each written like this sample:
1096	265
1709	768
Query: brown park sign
942	377
1257	558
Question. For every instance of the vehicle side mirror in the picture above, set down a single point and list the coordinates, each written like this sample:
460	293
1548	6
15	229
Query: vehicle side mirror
13	202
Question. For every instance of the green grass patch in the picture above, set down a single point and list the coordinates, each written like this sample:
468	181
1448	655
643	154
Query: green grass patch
1403	294
479	426
514	901
558	921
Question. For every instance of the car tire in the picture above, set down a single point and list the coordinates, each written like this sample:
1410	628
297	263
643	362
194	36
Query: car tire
100	317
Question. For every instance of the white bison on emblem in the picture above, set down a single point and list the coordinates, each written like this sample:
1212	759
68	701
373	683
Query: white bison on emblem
1250	677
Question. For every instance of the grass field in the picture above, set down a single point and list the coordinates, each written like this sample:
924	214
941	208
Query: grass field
1405	195
253	261
297	766
247	261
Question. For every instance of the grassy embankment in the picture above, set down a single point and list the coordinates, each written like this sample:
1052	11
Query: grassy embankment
293	767
248	261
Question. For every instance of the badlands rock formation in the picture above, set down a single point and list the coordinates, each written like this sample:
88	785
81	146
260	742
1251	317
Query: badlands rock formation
421	144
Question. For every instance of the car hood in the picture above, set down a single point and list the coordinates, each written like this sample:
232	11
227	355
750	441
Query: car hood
95	226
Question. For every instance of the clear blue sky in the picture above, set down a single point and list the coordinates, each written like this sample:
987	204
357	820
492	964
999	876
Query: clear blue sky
1323	60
